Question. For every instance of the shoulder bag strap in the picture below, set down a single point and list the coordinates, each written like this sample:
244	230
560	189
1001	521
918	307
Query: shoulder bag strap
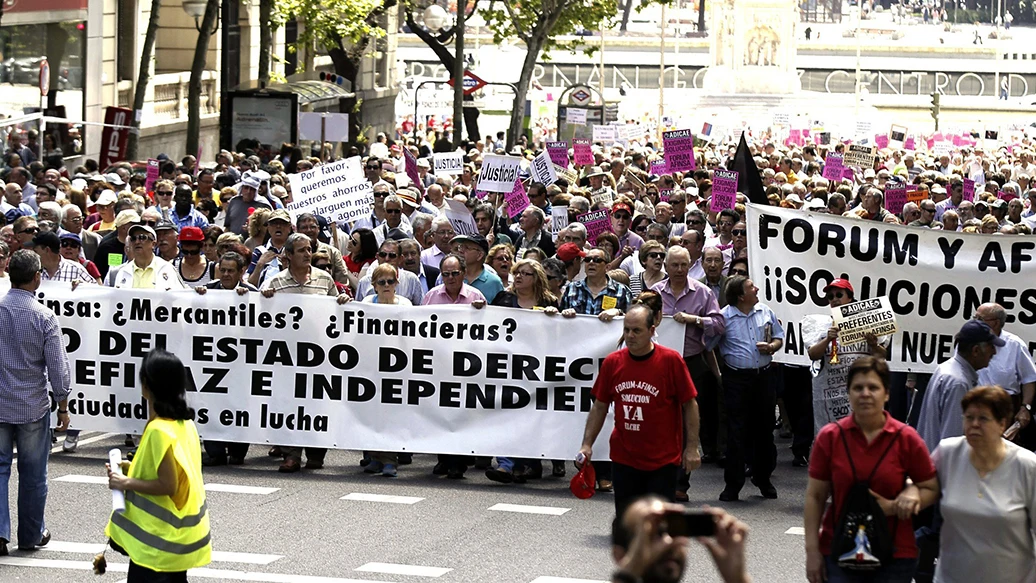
848	455
882	458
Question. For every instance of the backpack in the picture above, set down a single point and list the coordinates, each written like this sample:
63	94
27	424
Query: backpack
862	540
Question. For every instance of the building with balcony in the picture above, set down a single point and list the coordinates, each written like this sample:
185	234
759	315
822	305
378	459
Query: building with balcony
93	50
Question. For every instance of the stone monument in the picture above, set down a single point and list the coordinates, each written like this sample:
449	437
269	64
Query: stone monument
752	48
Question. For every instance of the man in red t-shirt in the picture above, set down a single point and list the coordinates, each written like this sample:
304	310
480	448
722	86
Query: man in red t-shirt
655	408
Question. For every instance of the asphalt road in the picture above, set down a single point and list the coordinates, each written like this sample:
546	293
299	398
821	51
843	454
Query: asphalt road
297	528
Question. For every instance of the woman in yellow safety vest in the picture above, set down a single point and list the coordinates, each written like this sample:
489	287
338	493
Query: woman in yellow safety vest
165	527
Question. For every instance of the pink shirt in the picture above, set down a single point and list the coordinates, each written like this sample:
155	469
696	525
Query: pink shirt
437	296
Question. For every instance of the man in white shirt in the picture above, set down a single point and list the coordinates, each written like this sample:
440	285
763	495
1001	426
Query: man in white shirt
1012	367
147	271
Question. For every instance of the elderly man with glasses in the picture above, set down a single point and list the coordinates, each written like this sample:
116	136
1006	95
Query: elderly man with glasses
72	222
146	270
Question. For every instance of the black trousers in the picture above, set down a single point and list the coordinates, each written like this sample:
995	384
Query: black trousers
798	404
631	483
138	574
750	396
712	431
313	454
222	449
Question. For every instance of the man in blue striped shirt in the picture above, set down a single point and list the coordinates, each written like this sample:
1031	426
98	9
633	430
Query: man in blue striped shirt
752	336
28	364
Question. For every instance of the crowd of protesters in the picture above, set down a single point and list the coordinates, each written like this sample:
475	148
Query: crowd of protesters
224	225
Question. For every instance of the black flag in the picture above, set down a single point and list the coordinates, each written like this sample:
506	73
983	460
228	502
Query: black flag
748	180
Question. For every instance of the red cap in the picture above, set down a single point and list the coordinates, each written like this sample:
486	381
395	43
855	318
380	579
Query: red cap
842	284
584	482
192	234
569	251
621	206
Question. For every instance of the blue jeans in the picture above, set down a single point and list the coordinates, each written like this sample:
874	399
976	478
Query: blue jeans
899	571
33	441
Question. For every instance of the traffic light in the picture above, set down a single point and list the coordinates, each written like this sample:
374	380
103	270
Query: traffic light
935	109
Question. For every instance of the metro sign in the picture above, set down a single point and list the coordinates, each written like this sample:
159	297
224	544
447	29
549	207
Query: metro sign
472	83
580	97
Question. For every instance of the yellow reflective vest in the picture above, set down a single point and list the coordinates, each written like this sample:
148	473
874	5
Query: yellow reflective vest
153	531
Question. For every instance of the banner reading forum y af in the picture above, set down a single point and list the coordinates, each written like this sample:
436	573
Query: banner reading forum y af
935	280
302	370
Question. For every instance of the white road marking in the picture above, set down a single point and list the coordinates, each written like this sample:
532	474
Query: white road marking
564	580
239	489
86	441
58	546
362	497
796	530
203	573
412	570
529	509
233	488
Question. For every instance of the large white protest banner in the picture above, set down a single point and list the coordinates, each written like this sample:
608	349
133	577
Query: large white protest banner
934	280
498	173
337	190
302	370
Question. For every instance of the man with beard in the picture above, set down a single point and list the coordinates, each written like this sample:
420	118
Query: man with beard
645	553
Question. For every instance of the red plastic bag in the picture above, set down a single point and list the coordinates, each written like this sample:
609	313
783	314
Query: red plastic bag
584	483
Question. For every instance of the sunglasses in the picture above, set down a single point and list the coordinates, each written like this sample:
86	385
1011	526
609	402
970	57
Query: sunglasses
31	230
164	193
326	267
380	195
739	232
837	294
740	272
149	223
385	282
697	222
594	260
374	168
450	273
139	238
191	252
384	255
622	216
656	255
641	229
64	245
525	274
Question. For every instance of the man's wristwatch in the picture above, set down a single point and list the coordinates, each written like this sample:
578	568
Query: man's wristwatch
1027	407
62	412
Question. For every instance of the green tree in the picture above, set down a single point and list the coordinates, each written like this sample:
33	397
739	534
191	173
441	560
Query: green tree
540	25
344	29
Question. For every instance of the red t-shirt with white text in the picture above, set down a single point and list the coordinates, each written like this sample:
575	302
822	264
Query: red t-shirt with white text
648	395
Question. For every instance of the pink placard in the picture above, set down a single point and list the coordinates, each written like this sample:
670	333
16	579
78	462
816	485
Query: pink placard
882	141
659	168
910	143
411	170
152	175
847	174
1006	195
517	199
558	152
678	150
596	222
833	168
724	190
583	154
895	197
969	189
